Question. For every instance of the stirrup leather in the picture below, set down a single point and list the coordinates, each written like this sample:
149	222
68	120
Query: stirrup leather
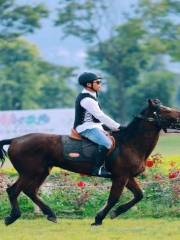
75	135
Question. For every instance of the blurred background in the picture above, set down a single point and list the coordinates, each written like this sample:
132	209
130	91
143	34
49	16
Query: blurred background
135	46
45	45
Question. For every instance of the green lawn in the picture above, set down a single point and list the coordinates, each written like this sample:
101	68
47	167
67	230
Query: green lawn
41	229
168	144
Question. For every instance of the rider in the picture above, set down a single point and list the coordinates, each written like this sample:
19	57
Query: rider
89	119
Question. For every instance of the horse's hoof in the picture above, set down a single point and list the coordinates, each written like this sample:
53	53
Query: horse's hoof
113	215
52	219
96	224
9	220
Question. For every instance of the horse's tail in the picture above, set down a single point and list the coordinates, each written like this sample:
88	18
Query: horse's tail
3	153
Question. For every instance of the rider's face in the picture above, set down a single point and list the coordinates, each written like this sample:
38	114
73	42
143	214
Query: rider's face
97	85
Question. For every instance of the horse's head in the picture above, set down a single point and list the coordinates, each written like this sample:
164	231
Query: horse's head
164	117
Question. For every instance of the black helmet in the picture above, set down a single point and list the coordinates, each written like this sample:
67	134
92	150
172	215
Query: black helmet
87	77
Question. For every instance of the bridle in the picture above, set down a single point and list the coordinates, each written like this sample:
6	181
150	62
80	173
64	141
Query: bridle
160	121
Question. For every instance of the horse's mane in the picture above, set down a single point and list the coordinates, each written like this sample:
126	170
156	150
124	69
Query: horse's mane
128	132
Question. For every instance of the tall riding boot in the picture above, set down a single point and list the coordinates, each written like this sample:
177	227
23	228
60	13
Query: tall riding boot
99	168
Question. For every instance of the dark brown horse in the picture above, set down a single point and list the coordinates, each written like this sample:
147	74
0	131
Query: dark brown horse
34	155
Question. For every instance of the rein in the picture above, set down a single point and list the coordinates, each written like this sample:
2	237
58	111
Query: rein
161	122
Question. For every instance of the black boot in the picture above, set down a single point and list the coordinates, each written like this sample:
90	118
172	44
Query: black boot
99	168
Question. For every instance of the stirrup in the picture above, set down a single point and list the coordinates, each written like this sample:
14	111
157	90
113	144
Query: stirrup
100	170
105	173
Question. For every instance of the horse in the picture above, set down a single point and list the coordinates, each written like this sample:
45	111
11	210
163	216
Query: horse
34	155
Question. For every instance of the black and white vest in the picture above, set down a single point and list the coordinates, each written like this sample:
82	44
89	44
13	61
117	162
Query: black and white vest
81	114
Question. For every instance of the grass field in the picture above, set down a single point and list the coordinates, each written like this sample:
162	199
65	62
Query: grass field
40	229
168	145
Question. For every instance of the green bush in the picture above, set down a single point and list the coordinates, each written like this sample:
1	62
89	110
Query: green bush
80	203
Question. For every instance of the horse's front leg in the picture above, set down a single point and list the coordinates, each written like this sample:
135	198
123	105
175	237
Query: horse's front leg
133	186
115	192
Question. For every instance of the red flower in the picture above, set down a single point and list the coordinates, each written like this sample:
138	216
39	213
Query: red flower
149	163
173	174
81	184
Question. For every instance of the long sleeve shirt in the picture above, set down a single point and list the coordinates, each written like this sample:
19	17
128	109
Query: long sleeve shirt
92	108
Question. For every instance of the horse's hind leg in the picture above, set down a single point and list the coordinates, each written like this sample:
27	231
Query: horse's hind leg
13	192
31	192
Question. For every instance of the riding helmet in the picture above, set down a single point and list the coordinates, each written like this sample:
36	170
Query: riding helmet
87	77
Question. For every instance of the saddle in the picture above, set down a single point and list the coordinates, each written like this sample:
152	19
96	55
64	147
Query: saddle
75	135
77	148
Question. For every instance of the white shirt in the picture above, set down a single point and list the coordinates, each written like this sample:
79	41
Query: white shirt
93	108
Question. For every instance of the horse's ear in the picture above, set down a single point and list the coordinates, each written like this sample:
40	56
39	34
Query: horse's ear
150	102
154	102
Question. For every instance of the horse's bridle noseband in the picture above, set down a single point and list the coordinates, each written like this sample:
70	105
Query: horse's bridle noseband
161	122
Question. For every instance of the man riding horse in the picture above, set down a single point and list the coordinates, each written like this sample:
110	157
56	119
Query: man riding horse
89	119
34	155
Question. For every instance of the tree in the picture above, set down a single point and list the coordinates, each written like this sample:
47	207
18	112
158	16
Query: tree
16	20
17	58
161	20
161	88
122	58
18	70
58	90
127	50
27	82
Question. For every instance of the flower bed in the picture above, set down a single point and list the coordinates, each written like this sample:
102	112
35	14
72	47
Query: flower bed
74	195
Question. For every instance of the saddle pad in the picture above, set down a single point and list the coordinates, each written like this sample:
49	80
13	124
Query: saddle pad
76	150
